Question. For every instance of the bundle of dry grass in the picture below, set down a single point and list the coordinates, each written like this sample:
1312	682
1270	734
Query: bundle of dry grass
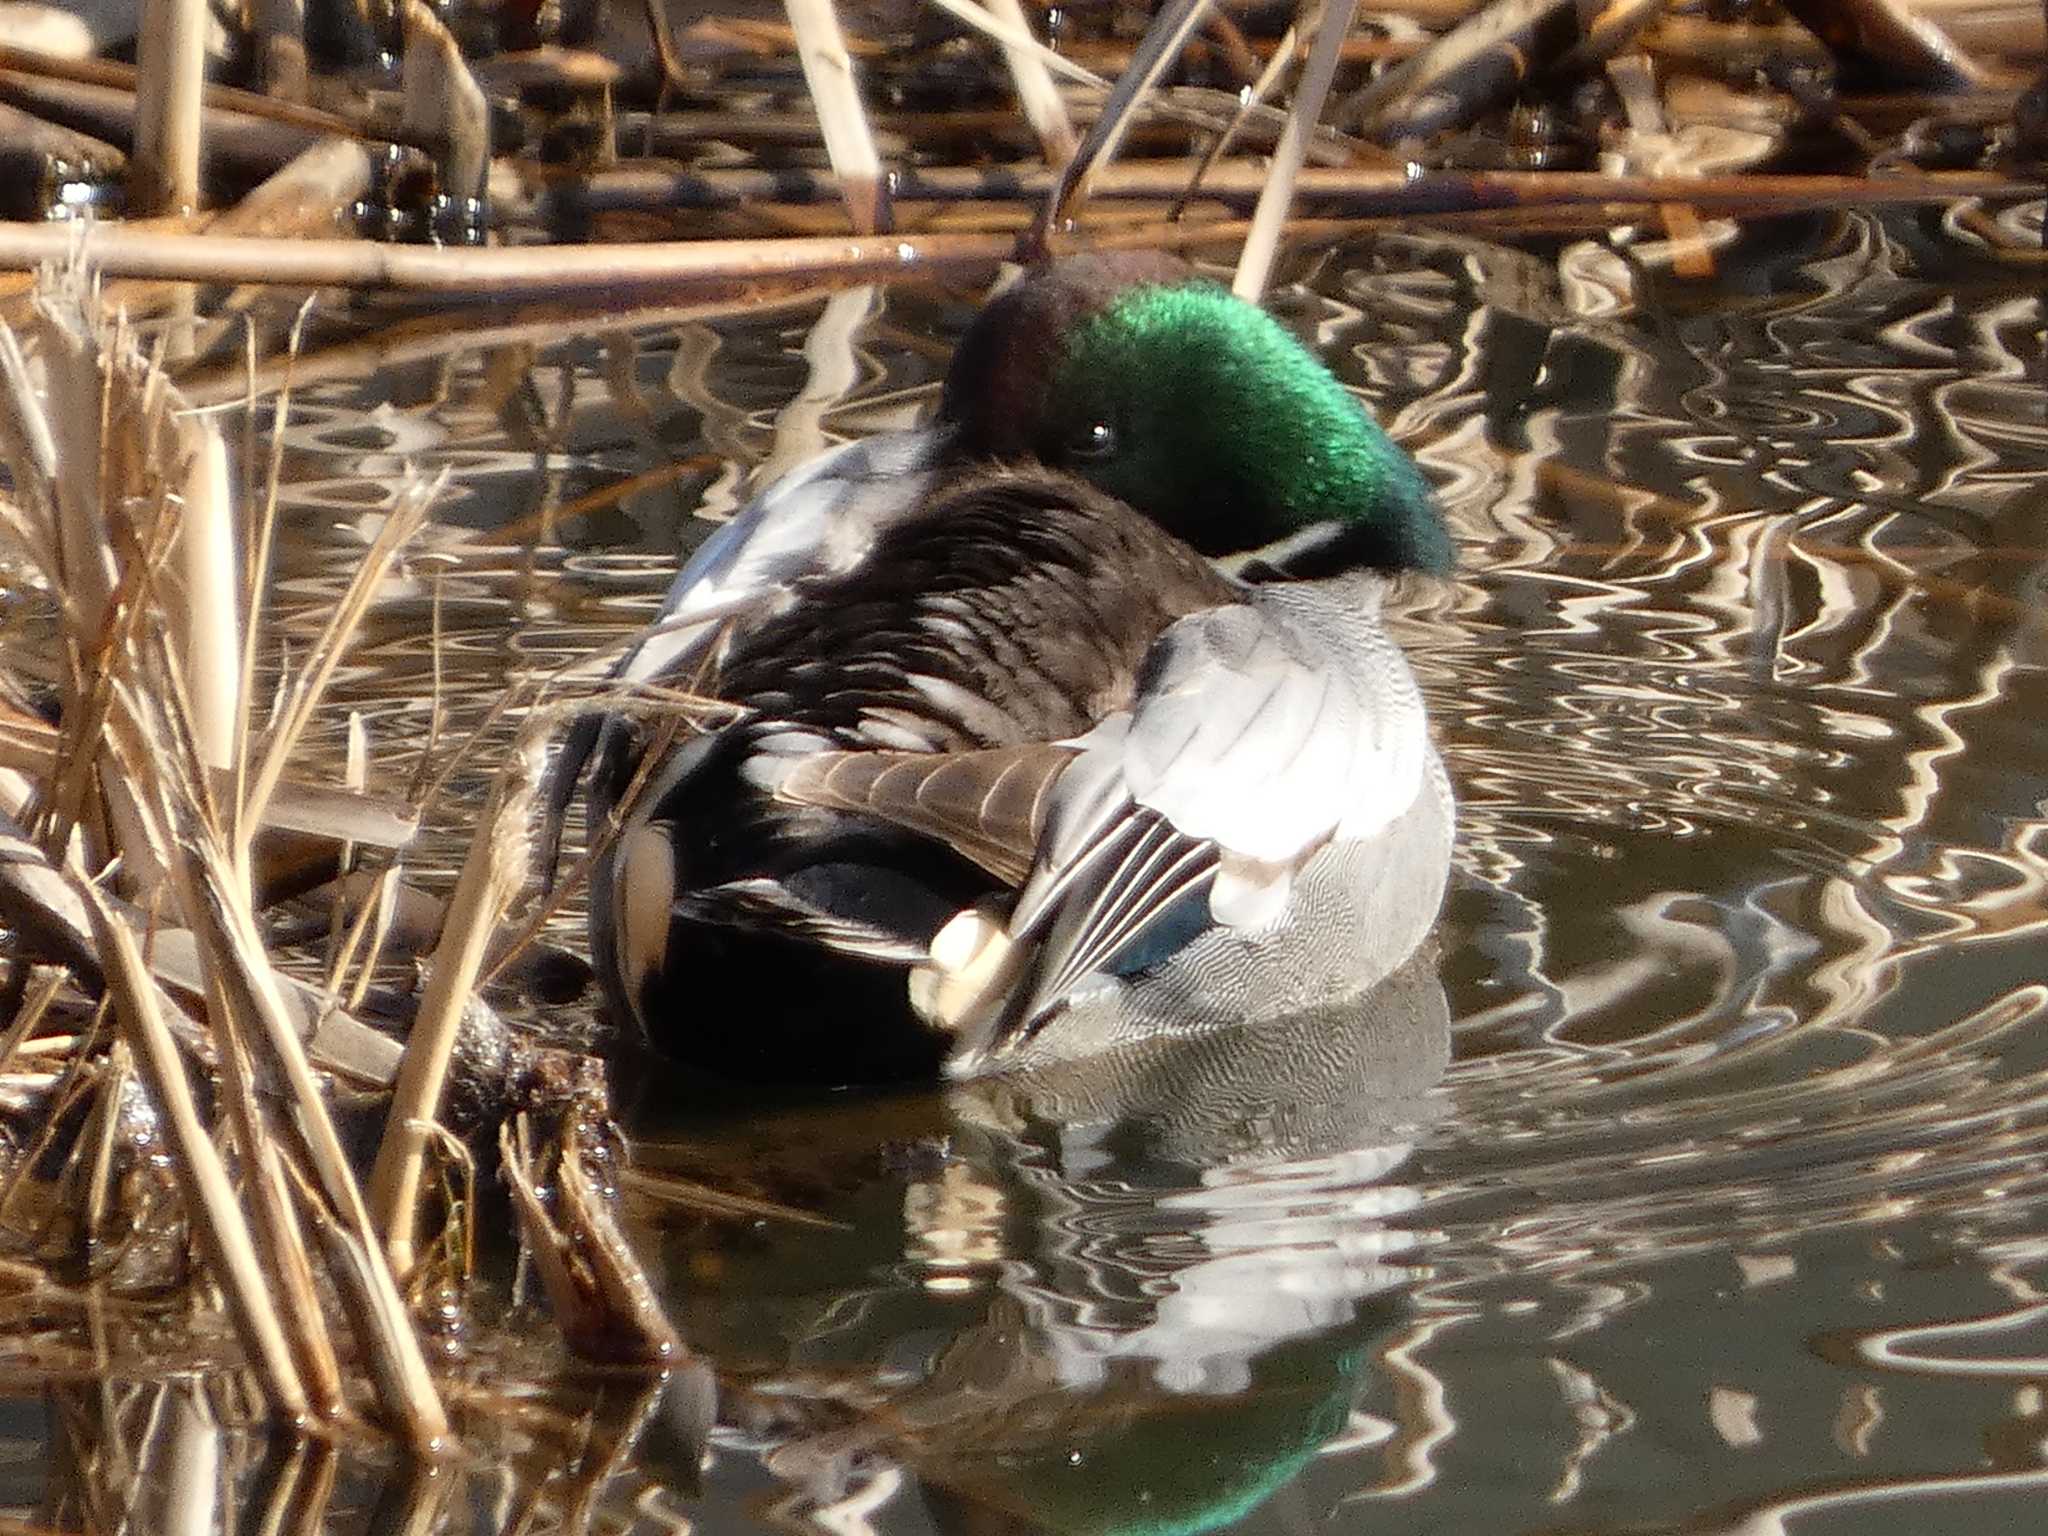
131	846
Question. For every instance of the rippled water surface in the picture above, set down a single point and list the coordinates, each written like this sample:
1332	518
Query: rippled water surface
1694	1183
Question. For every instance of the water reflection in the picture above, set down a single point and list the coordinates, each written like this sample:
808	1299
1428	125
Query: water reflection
1129	1293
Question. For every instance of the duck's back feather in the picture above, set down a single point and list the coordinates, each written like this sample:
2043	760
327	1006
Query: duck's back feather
1017	608
1014	612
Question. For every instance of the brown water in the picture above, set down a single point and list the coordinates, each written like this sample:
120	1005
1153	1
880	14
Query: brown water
1697	1183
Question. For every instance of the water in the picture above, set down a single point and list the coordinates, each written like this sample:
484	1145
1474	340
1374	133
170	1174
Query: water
1693	1183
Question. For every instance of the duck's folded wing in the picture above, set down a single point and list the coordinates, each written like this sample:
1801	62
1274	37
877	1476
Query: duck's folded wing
989	806
1258	734
821	518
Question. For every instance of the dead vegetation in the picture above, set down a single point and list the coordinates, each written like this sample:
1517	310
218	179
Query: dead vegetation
179	1099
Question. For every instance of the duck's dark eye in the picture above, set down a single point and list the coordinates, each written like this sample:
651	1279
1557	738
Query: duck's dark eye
1097	440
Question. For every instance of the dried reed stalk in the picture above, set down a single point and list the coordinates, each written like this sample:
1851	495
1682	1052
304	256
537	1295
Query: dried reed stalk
245	143
828	72
444	106
1238	182
1015	39
496	273
38	904
1563	199
201	601
220	100
1044	108
1161	45
170	90
491	876
83	398
210	1197
1255	262
312	193
169	605
249	996
1206	110
184	718
32	745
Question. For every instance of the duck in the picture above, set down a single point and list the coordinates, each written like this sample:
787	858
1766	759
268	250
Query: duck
1067	720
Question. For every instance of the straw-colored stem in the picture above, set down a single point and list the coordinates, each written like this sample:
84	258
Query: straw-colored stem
220	100
489	878
444	105
216	1215
291	1266
495	273
84	392
262	538
170	90
1179	106
1044	107
1161	45
1018	39
41	993
276	1227
203	602
367	1288
1238	183
1255	263
828	72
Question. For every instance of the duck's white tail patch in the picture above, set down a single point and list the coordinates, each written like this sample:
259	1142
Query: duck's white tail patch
967	959
1250	893
645	895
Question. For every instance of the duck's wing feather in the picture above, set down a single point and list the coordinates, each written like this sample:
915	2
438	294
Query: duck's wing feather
794	911
1260	731
989	806
819	520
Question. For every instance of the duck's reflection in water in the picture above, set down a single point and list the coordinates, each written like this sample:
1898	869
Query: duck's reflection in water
1138	1291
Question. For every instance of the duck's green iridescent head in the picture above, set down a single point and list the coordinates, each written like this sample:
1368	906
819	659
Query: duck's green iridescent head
1191	405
